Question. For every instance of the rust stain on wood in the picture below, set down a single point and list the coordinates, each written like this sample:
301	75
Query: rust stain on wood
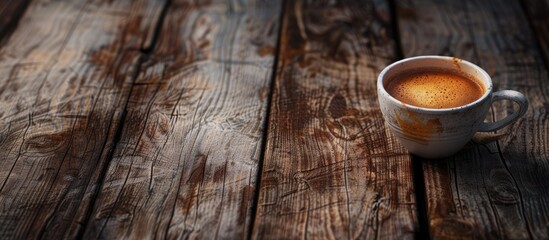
266	50
194	180
219	174
197	174
246	195
452	228
263	93
297	109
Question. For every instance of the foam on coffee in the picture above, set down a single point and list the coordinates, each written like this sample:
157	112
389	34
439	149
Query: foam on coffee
434	88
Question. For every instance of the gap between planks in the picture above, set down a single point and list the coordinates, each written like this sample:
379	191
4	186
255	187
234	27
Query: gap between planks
265	135
144	54
417	166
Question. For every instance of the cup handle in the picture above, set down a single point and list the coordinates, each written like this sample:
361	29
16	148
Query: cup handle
506	95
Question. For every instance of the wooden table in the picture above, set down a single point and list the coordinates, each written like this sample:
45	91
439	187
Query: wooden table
259	119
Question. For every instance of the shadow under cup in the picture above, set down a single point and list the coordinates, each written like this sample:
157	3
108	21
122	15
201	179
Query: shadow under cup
437	133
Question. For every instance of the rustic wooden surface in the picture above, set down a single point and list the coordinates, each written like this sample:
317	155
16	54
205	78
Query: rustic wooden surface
496	186
538	15
259	119
331	167
186	162
65	76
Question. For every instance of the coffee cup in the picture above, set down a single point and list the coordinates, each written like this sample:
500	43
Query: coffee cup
441	132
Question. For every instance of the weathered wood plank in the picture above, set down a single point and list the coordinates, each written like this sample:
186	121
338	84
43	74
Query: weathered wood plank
65	76
538	13
187	160
331	168
10	13
497	185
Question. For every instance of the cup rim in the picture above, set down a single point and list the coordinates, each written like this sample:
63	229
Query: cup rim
487	92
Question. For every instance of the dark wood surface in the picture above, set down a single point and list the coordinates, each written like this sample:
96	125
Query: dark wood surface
10	13
496	186
259	119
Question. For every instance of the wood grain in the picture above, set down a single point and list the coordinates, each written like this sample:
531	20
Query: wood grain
65	76
187	159
332	170
538	14
496	186
10	13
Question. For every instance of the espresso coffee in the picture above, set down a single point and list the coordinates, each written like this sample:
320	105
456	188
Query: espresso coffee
433	88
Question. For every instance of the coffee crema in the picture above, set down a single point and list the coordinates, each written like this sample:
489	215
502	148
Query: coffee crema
434	88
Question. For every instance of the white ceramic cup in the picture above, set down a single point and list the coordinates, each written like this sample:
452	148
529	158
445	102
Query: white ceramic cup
437	133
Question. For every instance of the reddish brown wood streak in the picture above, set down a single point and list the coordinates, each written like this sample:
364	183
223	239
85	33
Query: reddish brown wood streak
266	50
219	174
197	176
247	197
